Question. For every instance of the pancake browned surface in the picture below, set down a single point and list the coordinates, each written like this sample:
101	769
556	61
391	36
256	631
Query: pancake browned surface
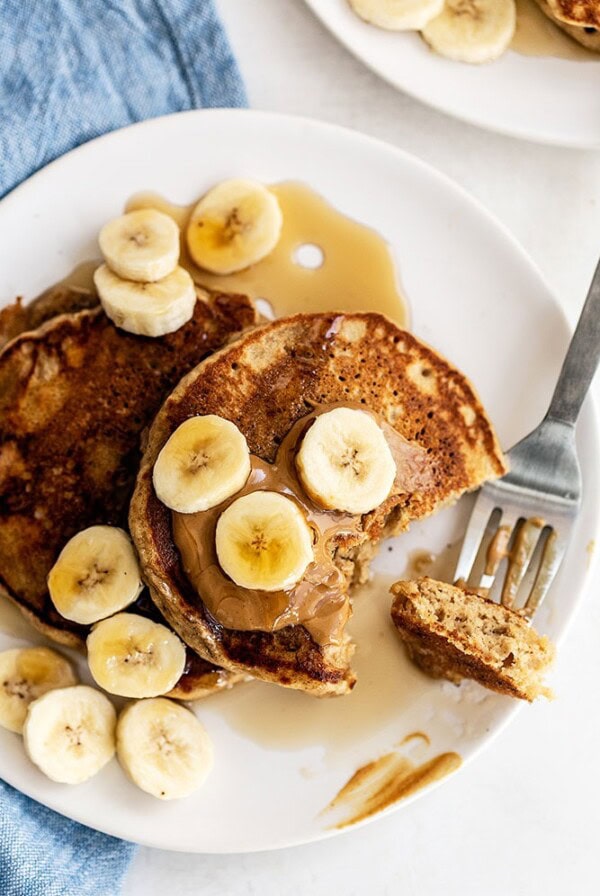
264	383
454	633
62	299
580	19
75	396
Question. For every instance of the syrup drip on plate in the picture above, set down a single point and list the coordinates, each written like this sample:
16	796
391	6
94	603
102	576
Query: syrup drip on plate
324	261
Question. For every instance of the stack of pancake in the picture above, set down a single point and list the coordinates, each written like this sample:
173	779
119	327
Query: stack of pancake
85	407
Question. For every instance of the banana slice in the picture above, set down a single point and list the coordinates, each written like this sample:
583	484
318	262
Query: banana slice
96	574
234	225
263	541
26	674
345	462
147	309
397	15
132	656
205	461
163	748
141	245
70	733
472	30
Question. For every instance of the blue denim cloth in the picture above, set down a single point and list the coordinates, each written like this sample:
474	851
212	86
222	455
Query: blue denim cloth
44	854
69	71
73	69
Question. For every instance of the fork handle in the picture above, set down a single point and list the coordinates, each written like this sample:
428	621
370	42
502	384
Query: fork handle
581	361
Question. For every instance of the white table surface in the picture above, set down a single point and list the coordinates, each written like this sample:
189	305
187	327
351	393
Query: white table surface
523	818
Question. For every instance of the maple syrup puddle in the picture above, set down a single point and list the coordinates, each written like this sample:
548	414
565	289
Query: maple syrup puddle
285	719
385	781
323	261
537	35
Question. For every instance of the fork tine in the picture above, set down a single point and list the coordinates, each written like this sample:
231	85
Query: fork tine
504	531
552	556
522	550
480	516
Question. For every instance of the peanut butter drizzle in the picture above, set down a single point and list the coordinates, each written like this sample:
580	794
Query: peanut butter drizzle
537	35
357	272
320	601
497	550
415	735
519	555
387	780
420	563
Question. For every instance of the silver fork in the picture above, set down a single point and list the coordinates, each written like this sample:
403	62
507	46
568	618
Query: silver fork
536	504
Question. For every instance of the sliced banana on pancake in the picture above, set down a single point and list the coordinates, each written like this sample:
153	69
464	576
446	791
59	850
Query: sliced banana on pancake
141	245
234	225
28	673
472	30
263	541
70	733
163	748
132	656
397	15
345	462
97	574
147	309
205	461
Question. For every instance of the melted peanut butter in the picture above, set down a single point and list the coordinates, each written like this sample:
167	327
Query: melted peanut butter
497	550
519	557
357	272
415	735
385	781
320	601
519	554
537	35
420	563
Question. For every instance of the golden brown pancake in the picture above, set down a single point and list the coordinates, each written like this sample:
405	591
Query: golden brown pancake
62	299
266	382
75	397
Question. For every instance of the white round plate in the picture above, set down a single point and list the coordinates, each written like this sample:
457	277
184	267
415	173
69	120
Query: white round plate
476	297
540	98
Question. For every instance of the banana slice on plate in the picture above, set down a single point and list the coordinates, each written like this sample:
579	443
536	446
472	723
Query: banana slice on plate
97	574
345	462
163	748
397	15
141	245
25	674
263	541
147	309
70	733
132	656
234	225
473	31
205	461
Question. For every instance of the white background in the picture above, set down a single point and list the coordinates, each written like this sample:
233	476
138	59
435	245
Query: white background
523	818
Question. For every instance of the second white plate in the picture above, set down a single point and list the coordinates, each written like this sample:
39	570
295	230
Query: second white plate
540	98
